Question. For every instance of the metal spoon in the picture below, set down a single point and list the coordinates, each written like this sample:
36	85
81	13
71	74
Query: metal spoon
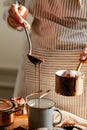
35	59
43	93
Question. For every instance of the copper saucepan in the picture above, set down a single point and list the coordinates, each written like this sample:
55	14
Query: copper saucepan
7	112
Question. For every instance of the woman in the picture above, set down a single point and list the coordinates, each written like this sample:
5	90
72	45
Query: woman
59	40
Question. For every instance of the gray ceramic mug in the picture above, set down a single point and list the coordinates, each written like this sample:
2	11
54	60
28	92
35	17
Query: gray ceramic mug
40	113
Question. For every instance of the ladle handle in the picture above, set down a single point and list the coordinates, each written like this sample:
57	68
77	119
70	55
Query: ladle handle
26	31
28	38
79	66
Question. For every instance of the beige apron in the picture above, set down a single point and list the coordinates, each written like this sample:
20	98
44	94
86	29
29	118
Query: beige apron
61	47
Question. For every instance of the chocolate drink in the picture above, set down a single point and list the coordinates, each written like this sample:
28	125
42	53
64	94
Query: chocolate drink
37	63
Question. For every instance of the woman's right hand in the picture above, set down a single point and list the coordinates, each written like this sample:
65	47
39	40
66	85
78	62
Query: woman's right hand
17	16
83	56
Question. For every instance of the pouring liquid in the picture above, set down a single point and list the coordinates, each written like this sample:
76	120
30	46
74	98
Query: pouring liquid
37	64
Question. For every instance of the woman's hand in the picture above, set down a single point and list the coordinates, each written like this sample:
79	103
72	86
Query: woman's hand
17	16
83	56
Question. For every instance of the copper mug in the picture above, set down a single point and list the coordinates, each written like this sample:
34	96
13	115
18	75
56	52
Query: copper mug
69	83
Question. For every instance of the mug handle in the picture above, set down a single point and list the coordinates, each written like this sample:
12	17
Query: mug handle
61	116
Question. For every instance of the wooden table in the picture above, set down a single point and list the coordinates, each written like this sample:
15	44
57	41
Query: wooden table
19	123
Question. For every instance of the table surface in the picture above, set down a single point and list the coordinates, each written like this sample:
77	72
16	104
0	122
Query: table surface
19	123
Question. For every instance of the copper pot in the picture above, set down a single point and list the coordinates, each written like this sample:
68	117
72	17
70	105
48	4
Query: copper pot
69	82
7	109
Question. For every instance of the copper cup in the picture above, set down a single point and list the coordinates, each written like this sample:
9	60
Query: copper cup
69	83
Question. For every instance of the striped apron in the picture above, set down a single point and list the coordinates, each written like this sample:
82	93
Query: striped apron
60	46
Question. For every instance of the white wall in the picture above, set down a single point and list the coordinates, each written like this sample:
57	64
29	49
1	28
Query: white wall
11	42
12	45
